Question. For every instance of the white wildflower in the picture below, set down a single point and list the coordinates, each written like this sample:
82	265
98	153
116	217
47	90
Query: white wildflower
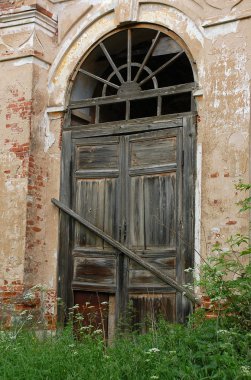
222	332
246	370
188	270
98	331
75	307
154	349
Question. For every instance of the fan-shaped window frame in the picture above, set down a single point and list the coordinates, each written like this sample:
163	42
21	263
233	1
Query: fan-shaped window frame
128	90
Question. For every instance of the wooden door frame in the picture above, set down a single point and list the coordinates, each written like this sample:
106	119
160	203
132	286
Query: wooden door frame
188	123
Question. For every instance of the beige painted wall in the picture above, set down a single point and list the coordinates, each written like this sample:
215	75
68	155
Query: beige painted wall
41	43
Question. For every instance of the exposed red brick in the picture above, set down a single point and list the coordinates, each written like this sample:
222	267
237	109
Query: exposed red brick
214	175
231	222
44	11
22	108
20	150
36	229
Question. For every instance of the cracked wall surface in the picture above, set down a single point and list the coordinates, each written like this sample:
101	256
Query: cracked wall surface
41	44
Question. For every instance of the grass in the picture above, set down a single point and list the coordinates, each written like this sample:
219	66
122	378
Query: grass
170	352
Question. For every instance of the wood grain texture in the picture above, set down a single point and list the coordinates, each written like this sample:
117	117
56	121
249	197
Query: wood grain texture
130	192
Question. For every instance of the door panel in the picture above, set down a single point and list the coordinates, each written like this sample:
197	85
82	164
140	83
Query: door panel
90	204
152	149
153	163
95	271
139	277
96	201
159	205
147	309
95	195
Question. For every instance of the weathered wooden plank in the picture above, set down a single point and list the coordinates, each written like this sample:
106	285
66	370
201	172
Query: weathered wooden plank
187	251
97	173
79	285
92	191
126	251
159	194
65	243
111	209
126	127
153	151
138	276
143	94
93	251
137	211
95	270
147	308
91	157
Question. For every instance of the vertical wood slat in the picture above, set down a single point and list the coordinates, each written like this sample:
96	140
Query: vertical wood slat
111	210
186	246
179	224
64	258
90	204
123	262
129	55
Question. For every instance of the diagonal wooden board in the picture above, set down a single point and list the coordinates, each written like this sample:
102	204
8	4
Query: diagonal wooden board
121	248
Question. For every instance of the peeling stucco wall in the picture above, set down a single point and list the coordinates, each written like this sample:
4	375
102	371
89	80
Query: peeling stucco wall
41	43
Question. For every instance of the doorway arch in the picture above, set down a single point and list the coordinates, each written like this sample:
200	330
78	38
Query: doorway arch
128	167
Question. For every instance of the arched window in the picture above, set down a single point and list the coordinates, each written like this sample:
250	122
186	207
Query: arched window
134	73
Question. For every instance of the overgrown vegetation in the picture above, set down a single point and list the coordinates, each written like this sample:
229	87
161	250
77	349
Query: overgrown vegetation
170	352
204	349
225	277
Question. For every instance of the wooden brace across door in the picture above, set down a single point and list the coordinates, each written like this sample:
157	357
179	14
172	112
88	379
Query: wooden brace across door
129	253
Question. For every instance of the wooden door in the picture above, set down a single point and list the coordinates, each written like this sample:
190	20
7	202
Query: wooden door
138	188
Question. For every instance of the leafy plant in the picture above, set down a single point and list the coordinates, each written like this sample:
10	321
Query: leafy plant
226	277
170	352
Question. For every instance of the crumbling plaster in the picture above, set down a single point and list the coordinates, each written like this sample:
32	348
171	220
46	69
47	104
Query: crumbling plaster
39	58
